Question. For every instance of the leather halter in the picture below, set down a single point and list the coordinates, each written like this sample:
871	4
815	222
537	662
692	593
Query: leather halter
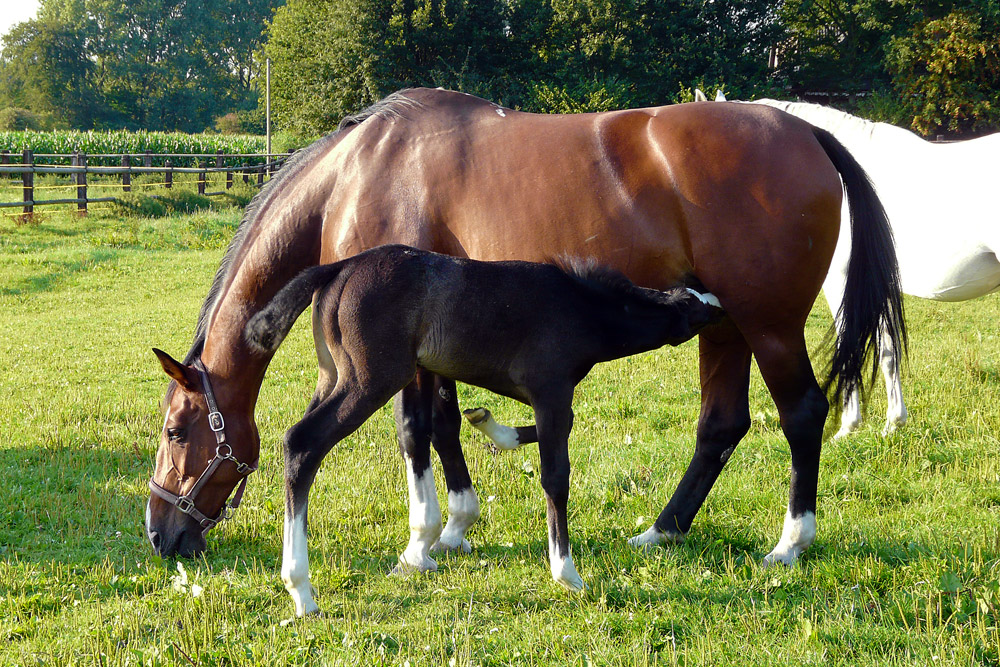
223	452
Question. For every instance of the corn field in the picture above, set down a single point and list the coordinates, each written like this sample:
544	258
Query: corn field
116	142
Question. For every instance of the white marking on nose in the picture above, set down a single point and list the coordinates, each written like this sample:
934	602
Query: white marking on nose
500	112
707	298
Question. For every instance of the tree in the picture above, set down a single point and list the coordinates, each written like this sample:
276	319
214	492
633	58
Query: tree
948	72
154	64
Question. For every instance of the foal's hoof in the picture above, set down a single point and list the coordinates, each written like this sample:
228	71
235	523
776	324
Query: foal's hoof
653	538
476	416
440	547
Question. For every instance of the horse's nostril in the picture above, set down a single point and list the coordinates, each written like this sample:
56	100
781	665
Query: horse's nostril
154	539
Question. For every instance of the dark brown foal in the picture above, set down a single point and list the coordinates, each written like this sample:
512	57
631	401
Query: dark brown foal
525	330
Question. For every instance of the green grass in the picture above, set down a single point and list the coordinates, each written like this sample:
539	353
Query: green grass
905	569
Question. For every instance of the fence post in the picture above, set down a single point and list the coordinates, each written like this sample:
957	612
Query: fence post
28	181
246	176
168	177
147	159
126	175
229	180
260	175
201	176
81	184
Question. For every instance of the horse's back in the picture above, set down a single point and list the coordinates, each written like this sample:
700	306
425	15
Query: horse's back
705	190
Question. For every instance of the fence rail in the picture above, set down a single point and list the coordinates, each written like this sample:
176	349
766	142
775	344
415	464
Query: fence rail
78	169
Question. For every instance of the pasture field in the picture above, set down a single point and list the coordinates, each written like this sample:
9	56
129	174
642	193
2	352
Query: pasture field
905	569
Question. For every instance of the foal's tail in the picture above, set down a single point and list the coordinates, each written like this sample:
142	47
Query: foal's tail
873	298
265	330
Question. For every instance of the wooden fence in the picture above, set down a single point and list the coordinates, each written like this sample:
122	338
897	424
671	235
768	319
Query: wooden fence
257	166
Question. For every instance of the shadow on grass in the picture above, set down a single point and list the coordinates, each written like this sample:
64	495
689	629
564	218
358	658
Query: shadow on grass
50	280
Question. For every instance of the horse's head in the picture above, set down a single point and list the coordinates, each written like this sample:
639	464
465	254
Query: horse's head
208	446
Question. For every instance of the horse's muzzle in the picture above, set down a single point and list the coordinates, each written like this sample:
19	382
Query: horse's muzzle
185	544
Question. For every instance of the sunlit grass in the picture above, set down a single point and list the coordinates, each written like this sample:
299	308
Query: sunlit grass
904	571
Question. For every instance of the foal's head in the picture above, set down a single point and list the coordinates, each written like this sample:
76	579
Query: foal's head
196	467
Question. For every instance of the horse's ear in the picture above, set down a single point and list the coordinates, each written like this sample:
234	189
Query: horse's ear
699	96
184	375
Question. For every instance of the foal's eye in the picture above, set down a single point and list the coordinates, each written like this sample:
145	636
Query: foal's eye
175	435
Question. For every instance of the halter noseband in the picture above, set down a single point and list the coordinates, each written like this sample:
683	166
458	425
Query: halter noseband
223	452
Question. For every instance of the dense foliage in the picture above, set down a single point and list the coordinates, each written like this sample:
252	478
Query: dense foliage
332	58
933	65
145	64
929	64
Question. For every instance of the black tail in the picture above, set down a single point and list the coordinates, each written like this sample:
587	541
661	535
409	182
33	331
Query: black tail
873	298
268	328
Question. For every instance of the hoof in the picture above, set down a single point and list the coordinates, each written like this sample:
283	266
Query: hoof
476	415
785	558
653	538
405	569
440	547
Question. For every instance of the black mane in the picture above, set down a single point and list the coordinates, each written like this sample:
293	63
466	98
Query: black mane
392	106
292	166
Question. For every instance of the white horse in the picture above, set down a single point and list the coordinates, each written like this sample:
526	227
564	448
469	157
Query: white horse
943	202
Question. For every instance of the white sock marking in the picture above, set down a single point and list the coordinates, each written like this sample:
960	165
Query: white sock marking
504	437
425	521
707	298
295	565
653	538
563	570
797	535
463	511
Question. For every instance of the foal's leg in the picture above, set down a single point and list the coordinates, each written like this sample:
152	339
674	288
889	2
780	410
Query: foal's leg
802	409
554	419
330	419
724	420
412	408
895	413
463	504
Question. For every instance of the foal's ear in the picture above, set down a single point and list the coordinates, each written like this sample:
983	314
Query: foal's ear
185	376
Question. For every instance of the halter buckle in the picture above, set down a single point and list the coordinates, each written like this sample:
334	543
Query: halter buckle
185	504
215	421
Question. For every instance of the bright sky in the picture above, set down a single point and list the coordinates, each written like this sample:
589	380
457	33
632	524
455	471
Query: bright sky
15	11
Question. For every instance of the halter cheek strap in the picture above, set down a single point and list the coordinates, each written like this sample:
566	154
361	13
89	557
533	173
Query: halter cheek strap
223	452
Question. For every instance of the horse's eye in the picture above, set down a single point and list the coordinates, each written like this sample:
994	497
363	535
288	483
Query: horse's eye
175	435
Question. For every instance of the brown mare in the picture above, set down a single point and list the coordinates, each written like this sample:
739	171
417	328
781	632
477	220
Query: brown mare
742	199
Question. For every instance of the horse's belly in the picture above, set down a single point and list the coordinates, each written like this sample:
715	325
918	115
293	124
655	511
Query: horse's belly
944	278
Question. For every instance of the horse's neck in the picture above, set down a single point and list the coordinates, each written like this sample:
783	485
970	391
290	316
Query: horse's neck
282	241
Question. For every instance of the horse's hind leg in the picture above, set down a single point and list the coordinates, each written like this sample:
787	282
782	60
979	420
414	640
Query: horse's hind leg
802	409
895	412
463	504
412	408
724	420
850	409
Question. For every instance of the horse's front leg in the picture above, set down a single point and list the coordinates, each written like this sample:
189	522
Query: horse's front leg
724	420
463	503
329	420
412	408
554	419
